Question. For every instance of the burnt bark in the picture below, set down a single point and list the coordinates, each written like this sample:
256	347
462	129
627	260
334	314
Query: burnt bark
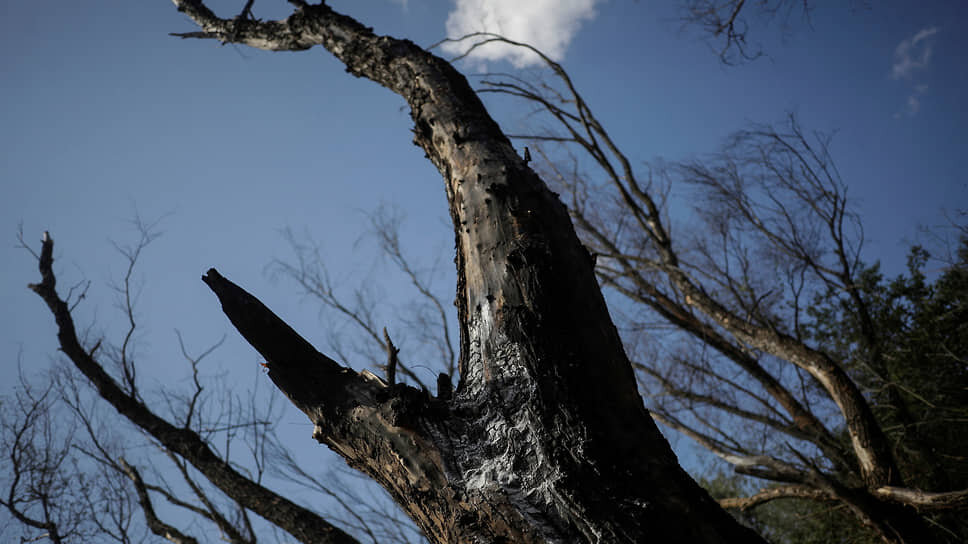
712	286
545	438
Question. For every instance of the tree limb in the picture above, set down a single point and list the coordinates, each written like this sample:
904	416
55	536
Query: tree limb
772	493
303	524
925	500
155	524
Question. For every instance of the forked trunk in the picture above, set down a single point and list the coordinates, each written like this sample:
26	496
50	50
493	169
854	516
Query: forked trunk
545	438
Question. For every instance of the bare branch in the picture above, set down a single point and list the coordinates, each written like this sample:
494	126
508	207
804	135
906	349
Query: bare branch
726	22
761	466
386	227
950	500
157	526
298	521
392	352
310	273
773	493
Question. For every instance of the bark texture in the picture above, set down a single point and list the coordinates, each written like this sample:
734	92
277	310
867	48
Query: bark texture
773	225
545	438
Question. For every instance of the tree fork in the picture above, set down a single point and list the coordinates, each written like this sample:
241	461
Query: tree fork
546	438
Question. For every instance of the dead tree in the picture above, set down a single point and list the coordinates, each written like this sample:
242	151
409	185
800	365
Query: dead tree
546	438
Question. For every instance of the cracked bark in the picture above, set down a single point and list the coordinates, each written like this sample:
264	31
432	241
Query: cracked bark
545	438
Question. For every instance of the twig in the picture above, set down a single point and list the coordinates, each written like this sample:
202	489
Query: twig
392	360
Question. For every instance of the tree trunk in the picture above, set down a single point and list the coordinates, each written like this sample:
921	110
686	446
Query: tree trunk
545	438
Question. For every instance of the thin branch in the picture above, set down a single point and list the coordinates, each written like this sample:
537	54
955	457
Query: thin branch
773	493
155	524
925	500
392	352
302	523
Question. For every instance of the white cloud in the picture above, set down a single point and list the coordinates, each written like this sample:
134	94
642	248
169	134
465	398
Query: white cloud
911	56
913	53
913	105
548	25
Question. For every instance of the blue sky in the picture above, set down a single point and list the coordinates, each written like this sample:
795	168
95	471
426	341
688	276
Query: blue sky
104	114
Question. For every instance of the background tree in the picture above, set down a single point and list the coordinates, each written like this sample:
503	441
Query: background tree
921	326
790	521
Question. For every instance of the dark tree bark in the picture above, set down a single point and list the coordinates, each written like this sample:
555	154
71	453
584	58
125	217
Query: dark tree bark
721	290
545	438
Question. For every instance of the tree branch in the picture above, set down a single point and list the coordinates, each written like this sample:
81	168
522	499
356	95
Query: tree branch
925	500
303	524
155	524
773	493
761	466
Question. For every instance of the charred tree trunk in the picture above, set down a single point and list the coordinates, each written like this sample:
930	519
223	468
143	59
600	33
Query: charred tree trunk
545	438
